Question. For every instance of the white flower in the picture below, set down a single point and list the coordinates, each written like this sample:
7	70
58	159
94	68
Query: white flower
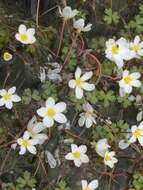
7	56
78	155
137	134
118	51
87	117
27	144
8	97
128	81
67	13
137	47
109	159
80	83
102	147
34	128
79	25
52	112
91	186
24	35
42	75
123	144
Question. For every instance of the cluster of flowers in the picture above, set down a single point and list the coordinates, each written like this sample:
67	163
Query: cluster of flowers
123	50
116	51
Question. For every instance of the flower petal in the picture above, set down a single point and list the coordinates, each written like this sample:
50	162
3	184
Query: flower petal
88	87
84	184
12	90
32	149
22	150
31	31
87	76
93	184
77	73
61	106
9	104
79	93
60	118
22	28
83	149
88	122
50	102
1	102
48	122
3	92
69	156
42	111
16	98
72	83
26	135
84	158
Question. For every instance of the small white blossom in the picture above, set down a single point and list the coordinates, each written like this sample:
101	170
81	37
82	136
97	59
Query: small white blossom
137	47
34	128
24	35
52	112
118	51
42	75
102	147
88	117
27	144
8	97
67	13
137	134
129	81
91	186
78	155
80	83
50	159
7	56
109	159
123	144
79	25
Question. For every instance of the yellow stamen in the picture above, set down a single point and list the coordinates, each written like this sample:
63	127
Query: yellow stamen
128	79
107	157
24	37
25	143
7	97
77	155
136	48
7	56
79	83
87	188
138	133
51	112
115	49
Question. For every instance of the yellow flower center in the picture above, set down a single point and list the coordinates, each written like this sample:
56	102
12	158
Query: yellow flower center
136	48
76	155
115	49
79	83
25	143
51	112
7	56
107	157
7	97
128	79
87	188
138	133
24	37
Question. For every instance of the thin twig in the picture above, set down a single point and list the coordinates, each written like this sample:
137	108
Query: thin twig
61	38
69	52
37	13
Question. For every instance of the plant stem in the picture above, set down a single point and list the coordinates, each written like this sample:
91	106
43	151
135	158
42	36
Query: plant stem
61	38
70	51
37	13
